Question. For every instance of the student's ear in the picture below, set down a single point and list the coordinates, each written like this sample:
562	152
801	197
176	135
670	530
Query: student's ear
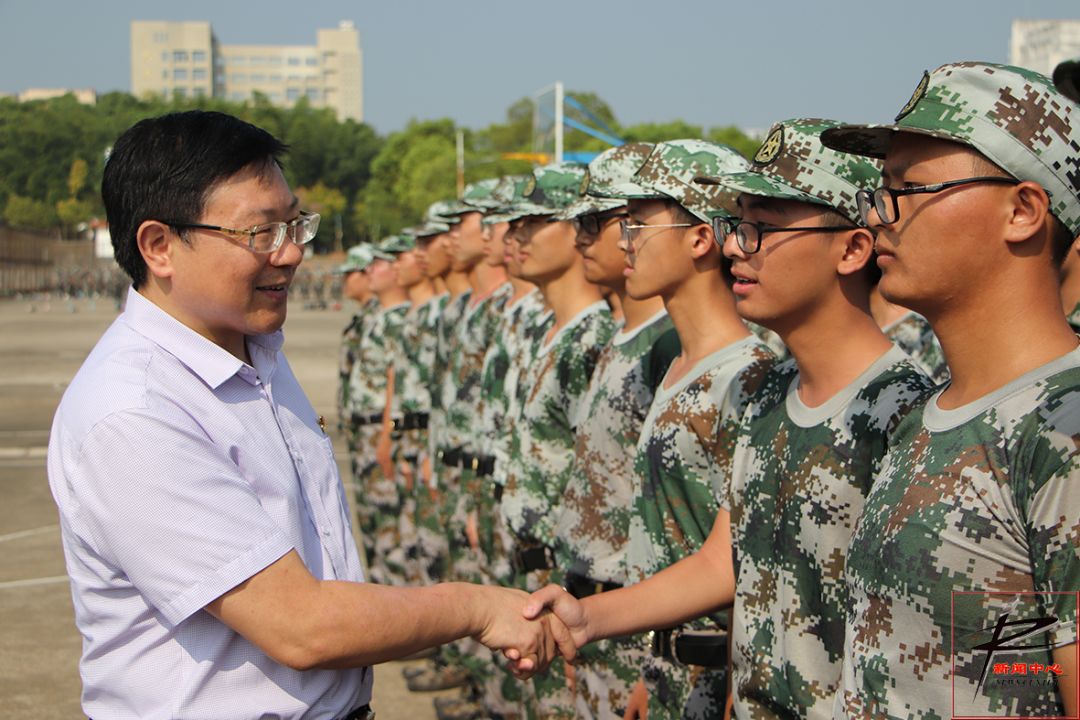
857	250
1027	211
155	242
700	240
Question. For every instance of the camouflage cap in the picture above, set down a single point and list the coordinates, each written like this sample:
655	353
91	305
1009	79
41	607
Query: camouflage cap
397	244
481	195
671	168
1013	116
792	164
608	169
549	190
510	190
357	258
443	211
1067	79
429	229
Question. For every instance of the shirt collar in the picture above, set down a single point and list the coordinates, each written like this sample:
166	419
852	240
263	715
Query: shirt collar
212	363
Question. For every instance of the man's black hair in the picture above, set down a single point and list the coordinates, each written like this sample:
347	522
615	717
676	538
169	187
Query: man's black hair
164	168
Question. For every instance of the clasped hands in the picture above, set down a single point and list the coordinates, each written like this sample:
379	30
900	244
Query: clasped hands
532	630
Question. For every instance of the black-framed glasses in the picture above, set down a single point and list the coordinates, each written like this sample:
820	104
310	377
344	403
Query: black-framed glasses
748	234
588	227
884	199
265	238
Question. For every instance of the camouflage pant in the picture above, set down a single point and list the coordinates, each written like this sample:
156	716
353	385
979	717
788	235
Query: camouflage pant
679	691
408	450
606	674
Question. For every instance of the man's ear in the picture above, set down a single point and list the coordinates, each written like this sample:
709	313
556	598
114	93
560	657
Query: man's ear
700	240
1027	212
155	241
857	250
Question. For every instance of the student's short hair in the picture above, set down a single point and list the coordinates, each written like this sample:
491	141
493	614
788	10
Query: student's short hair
165	168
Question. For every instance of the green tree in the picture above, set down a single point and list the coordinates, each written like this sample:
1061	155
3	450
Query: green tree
77	177
28	213
72	211
330	203
736	138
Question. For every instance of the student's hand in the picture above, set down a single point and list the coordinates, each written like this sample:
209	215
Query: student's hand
637	705
384	456
408	477
425	470
529	645
565	606
472	534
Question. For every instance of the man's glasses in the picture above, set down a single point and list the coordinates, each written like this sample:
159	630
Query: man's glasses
588	227
884	199
264	238
748	234
630	235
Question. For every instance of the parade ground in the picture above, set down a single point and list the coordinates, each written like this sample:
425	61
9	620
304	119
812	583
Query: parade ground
44	344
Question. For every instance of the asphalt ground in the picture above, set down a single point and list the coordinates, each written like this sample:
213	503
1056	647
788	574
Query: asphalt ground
43	345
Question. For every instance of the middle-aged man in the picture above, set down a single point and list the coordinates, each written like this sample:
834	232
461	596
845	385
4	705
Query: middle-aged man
970	534
204	524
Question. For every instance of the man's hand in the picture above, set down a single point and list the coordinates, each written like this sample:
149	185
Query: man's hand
407	475
384	456
472	533
637	705
530	645
565	606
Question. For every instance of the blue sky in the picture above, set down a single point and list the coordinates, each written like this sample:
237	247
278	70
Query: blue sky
707	62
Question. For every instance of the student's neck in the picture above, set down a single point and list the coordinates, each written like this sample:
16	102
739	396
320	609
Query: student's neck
637	312
521	289
833	343
1011	329
703	312
393	297
884	312
485	278
569	294
420	293
439	283
457	283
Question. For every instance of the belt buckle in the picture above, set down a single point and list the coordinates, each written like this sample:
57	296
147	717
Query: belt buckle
675	634
598	587
475	463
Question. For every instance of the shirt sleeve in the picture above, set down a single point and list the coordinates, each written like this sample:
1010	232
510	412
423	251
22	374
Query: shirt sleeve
170	510
1053	521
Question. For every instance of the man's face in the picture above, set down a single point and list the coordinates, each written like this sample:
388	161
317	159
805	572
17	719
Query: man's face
467	242
604	258
791	273
408	268
435	255
546	249
381	275
656	260
219	287
494	248
512	248
356	286
940	243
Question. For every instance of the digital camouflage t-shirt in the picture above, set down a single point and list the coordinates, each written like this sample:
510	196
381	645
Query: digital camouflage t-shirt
799	477
913	334
974	515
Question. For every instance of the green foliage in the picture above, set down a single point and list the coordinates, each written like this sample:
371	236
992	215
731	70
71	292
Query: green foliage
735	138
28	213
77	177
72	211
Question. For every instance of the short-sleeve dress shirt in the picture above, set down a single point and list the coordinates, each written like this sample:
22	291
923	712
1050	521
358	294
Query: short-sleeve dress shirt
180	471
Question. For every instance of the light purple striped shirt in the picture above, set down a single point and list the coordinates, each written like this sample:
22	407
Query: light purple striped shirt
180	471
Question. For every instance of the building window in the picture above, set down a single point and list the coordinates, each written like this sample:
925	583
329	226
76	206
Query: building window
311	62
198	74
294	61
292	94
198	56
160	37
179	74
275	97
164	74
294	78
260	78
200	92
164	56
313	94
275	78
238	78
180	92
275	61
238	60
258	60
179	56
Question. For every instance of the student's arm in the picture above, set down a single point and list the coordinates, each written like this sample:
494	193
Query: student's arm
693	587
306	623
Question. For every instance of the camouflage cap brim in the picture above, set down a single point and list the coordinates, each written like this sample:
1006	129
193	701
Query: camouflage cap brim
588	205
429	229
631	191
1067	79
753	183
383	255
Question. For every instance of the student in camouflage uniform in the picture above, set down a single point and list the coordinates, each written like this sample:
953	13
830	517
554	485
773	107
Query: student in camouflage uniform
680	457
551	386
357	288
378	501
978	500
814	434
591	531
910	331
1067	81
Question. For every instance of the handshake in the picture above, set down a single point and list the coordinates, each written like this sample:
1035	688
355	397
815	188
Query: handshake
532	630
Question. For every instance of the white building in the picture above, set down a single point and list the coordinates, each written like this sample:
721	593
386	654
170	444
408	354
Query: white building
185	59
1041	44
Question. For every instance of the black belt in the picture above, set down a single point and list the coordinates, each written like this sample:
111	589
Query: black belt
537	557
498	492
690	647
450	457
582	587
359	419
482	465
364	712
412	421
